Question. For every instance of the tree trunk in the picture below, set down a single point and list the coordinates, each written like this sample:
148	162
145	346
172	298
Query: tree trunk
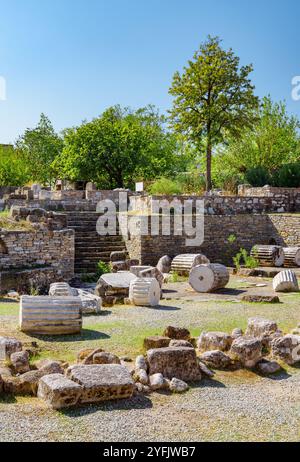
208	166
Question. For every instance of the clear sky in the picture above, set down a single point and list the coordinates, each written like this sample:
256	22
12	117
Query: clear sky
72	58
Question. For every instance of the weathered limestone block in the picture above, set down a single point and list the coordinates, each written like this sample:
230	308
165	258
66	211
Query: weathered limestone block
58	391
27	384
91	303
286	281
291	257
177	333
153	272
216	359
260	327
51	316
140	363
180	343
140	375
268	255
266	367
114	284
164	264
252	298
62	289
205	370
102	382
156	341
237	333
105	358
207	278
183	264
8	346
145	292
157	382
287	348
210	341
20	362
178	386
181	363
247	350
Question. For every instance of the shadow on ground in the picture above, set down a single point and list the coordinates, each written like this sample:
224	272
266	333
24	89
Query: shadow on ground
86	334
136	402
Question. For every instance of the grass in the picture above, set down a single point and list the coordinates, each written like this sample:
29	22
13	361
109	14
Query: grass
122	329
9	224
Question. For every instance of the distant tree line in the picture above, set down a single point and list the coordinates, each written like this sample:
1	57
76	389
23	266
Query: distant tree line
217	134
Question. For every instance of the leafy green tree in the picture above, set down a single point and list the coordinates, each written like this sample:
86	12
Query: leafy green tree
119	147
40	146
273	141
14	170
213	98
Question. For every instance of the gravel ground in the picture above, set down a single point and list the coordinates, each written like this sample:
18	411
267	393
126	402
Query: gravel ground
235	406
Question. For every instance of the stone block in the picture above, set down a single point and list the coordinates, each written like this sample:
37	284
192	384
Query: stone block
58	391
181	363
102	382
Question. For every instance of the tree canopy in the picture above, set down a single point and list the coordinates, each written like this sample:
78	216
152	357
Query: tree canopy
39	147
119	147
213	98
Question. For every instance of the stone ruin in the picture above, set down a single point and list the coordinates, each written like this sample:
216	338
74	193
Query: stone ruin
172	362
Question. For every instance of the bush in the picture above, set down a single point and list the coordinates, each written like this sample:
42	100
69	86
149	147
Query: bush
102	268
191	183
165	186
258	176
288	176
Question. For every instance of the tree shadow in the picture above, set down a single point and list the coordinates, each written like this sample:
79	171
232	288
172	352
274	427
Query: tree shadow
165	308
86	334
135	403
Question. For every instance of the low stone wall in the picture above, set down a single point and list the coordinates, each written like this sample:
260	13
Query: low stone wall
248	230
24	281
21	250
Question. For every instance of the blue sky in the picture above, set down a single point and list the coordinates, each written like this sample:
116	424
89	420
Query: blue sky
72	58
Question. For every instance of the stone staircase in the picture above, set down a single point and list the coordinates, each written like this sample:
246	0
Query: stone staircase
90	248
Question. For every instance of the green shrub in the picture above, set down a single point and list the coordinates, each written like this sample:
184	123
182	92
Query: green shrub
242	257
191	183
102	268
287	176
165	186
258	176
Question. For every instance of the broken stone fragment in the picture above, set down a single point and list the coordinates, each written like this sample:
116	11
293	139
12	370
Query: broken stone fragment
105	358
247	350
180	343
287	348
140	363
178	386
89	359
20	362
156	342
27	384
205	370
216	359
260	298
102	382
164	264
8	346
267	367
258	327
177	333
210	341
237	333
174	362
157	382
140	375
58	391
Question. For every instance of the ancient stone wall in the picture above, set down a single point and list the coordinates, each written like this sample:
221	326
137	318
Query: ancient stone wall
42	248
248	230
